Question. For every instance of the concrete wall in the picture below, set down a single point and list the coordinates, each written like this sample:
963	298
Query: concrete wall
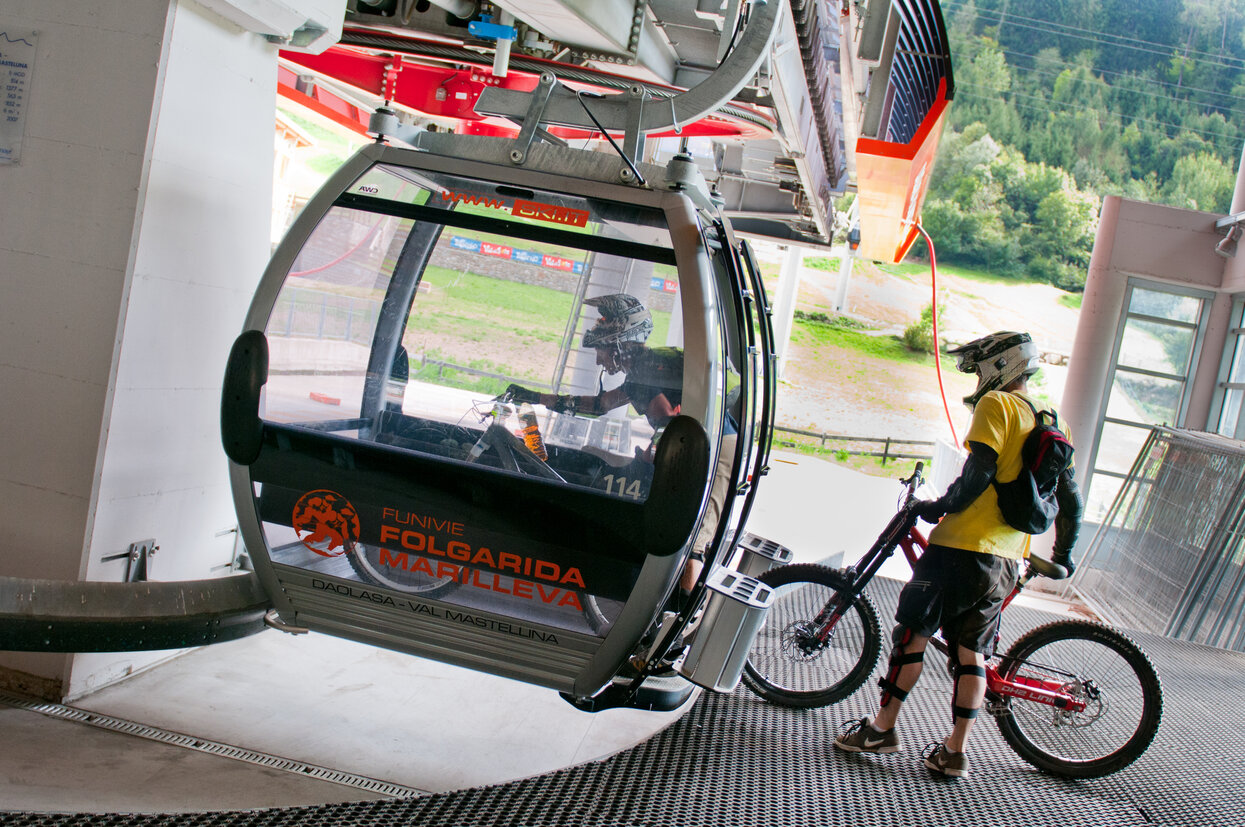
65	249
131	236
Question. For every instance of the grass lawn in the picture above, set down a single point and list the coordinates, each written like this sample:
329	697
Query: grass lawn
820	332
493	325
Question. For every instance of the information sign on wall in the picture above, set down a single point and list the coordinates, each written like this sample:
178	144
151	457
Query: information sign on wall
17	61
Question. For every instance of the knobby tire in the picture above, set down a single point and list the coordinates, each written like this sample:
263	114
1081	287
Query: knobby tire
780	672
1115	728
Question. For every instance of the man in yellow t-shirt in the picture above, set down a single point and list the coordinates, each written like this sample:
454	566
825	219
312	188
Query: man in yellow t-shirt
971	566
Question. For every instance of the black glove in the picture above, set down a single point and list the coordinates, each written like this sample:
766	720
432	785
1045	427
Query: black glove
520	394
930	511
1064	558
566	404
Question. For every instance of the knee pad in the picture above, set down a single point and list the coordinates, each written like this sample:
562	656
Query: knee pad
962	669
900	637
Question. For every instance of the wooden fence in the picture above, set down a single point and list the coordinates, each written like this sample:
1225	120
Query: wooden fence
861	446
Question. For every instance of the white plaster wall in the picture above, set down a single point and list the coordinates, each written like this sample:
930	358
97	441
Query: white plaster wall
201	244
132	234
1168	244
66	224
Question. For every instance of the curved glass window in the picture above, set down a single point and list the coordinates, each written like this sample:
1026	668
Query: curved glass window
513	331
422	297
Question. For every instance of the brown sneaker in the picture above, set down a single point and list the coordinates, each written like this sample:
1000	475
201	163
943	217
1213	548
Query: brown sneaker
940	759
859	736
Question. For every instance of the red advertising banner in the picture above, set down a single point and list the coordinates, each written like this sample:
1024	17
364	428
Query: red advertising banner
558	263
499	250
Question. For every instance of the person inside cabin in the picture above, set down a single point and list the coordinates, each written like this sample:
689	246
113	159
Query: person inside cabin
652	385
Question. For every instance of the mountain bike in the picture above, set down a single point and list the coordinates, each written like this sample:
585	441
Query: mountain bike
1072	697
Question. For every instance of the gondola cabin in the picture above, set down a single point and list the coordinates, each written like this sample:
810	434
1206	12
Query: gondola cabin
477	409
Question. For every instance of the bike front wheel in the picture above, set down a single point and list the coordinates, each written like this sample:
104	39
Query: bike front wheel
1098	667
787	665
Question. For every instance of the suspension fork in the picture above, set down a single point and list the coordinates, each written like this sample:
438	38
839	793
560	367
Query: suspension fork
899	533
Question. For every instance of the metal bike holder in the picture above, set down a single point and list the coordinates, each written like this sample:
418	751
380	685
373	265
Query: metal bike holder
760	555
733	615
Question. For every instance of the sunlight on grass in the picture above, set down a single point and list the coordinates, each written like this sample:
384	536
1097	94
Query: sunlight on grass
332	149
829	265
842	333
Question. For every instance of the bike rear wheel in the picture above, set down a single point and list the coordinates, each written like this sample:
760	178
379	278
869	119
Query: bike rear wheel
409	574
782	670
1095	665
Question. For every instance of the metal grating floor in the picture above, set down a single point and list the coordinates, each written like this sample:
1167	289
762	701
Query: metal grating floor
735	760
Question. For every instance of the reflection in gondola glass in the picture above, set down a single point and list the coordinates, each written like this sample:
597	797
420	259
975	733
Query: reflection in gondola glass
457	288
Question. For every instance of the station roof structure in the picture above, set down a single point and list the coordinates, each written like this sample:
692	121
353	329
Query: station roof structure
850	97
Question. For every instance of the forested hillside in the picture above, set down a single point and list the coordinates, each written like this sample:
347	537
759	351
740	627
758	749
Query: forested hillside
1059	102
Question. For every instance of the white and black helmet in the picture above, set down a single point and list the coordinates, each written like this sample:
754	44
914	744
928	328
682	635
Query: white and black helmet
998	360
623	319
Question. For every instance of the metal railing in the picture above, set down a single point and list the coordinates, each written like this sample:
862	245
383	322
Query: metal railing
318	314
1169	557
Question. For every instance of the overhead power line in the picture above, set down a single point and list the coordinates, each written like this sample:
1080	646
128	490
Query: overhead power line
1046	110
1098	37
1126	75
1230	142
1113	89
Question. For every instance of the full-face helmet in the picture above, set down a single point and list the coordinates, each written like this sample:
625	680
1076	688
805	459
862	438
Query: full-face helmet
623	319
998	360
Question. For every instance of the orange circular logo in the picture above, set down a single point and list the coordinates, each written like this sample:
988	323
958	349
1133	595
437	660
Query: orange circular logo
326	522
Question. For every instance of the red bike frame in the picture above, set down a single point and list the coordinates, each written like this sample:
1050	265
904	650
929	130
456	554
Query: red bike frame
903	532
1049	692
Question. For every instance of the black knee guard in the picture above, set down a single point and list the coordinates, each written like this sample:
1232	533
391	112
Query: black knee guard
962	669
900	638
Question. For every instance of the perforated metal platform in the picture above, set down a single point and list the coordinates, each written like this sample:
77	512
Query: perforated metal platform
735	760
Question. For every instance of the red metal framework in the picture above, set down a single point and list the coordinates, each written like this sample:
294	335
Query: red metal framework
422	80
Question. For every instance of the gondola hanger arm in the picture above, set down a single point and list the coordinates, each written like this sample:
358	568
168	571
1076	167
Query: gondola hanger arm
616	112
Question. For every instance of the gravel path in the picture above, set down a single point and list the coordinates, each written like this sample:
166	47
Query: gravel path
844	395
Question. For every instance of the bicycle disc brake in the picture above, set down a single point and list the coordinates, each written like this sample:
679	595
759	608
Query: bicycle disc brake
800	643
1086	691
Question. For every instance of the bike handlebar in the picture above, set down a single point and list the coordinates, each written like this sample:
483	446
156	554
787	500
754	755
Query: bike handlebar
1045	568
911	484
1038	565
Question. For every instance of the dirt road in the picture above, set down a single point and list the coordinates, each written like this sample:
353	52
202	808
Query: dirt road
837	391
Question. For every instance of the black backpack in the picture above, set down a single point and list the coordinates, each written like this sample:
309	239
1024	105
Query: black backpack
1028	502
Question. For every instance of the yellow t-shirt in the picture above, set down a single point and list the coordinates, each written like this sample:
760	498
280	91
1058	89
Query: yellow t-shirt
1001	421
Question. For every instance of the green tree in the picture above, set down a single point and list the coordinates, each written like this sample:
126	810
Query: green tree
919	335
1200	182
1063	226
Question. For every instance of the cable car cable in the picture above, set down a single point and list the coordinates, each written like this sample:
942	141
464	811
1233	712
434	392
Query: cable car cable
560	70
